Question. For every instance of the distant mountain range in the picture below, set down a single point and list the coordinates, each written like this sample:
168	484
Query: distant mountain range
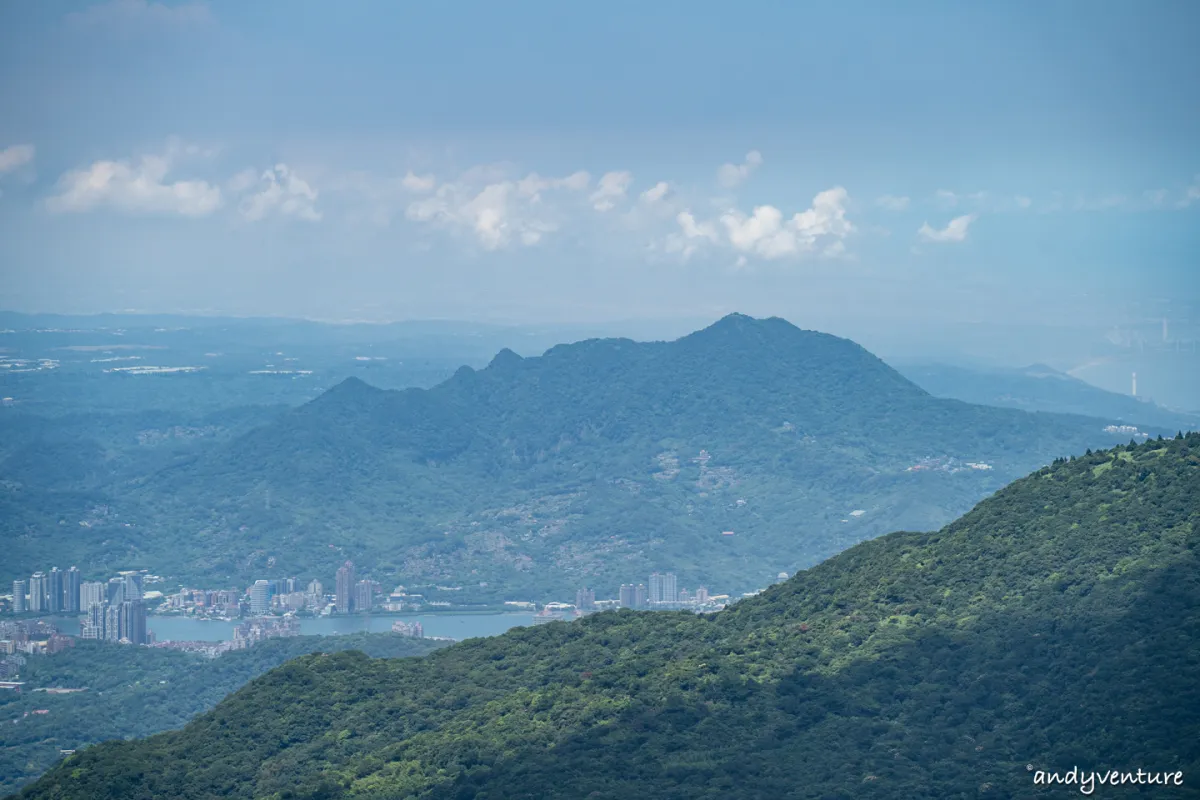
1041	388
1047	637
591	465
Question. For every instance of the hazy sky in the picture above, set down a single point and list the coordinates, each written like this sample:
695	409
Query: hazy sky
948	161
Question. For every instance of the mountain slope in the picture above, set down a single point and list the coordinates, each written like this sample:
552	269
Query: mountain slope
599	462
138	691
1055	626
1040	388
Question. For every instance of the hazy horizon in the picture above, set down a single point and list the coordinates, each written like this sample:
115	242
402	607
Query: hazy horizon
901	168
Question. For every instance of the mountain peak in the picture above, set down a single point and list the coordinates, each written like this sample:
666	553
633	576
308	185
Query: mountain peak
353	385
735	321
504	359
733	327
347	391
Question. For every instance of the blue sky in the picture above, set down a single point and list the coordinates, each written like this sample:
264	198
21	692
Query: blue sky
560	162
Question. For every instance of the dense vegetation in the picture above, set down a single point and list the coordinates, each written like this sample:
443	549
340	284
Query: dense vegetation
138	691
593	464
1056	625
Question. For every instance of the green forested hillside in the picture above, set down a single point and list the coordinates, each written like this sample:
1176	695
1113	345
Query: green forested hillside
593	464
1056	625
138	691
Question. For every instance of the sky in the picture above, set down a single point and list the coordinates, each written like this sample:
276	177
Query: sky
894	164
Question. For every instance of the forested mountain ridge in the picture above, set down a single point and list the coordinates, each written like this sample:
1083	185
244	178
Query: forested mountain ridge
593	464
603	460
138	691
1056	625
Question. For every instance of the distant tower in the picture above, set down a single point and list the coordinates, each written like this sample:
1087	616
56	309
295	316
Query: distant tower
345	588
19	589
55	594
1134	384
71	586
260	598
37	592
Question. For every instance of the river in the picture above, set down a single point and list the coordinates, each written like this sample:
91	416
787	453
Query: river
453	626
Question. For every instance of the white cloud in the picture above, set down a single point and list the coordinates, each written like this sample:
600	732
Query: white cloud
656	192
1022	201
765	233
127	13
1102	202
532	185
946	198
13	156
730	175
242	181
1191	194
762	232
282	192
835	250
611	190
418	183
691	236
892	202
497	211
488	213
137	188
955	230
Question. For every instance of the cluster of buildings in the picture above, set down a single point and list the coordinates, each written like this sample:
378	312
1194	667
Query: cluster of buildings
662	594
114	610
35	637
53	592
353	595
291	595
258	630
350	594
413	629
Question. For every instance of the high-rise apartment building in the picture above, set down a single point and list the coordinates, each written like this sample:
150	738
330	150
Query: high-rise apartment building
92	593
702	595
71	590
625	596
19	590
38	583
116	591
639	596
345	588
54	591
260	598
656	588
663	589
133	587
291	585
92	626
364	595
585	599
315	594
112	623
133	621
